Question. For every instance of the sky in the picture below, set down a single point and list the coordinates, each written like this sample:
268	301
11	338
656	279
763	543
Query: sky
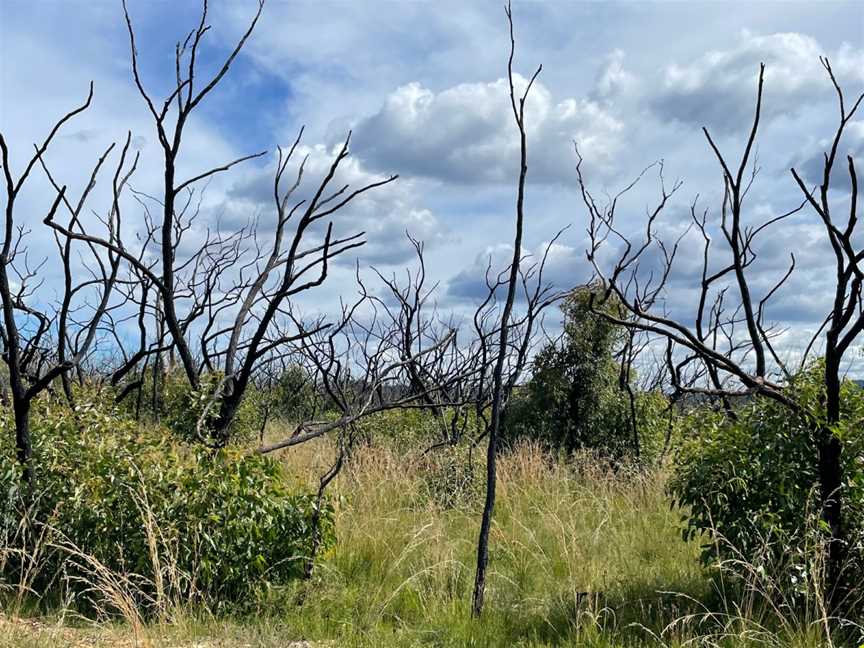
422	86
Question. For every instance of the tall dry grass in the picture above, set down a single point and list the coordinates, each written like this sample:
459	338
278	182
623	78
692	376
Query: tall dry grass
580	556
141	603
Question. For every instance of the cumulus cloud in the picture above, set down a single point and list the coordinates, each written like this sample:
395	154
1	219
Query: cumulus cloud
718	88
466	133
426	80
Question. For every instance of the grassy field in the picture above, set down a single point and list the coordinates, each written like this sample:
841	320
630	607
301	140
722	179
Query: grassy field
579	557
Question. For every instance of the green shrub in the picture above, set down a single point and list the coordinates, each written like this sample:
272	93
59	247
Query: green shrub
750	486
406	429
294	396
227	522
575	401
183	407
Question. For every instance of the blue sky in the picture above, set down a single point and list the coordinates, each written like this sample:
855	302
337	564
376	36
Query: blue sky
421	84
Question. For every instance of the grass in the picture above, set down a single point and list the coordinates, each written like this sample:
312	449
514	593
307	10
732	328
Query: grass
570	553
578	557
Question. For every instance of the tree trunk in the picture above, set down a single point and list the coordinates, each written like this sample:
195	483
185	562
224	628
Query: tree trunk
66	380
485	525
315	523
831	479
23	441
830	484
503	336
229	403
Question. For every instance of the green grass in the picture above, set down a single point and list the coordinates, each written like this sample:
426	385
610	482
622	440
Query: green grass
578	557
569	554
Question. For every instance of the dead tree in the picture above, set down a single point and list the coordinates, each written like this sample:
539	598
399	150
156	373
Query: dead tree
633	347
844	321
731	342
224	305
292	267
41	344
360	366
444	382
504	334
184	98
359	362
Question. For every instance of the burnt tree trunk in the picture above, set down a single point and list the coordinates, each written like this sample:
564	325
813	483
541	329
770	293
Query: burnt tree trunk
23	441
498	403
830	450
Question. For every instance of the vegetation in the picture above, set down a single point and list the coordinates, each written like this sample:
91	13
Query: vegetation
582	557
751	489
384	475
174	522
575	399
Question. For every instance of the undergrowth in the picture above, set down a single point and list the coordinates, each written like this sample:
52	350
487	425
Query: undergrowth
580	556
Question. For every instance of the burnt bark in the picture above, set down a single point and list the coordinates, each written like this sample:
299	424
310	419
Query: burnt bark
498	385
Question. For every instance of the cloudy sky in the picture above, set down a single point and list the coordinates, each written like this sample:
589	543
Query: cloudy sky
422	85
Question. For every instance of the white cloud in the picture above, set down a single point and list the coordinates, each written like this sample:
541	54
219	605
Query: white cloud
466	133
718	89
614	80
447	127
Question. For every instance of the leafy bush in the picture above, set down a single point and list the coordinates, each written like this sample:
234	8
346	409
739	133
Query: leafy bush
574	388
183	407
564	408
114	491
294	396
574	400
408	429
751	485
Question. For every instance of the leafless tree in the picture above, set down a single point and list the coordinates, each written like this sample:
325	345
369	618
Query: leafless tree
500	352
844	322
729	350
361	364
231	295
634	344
41	344
444	382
